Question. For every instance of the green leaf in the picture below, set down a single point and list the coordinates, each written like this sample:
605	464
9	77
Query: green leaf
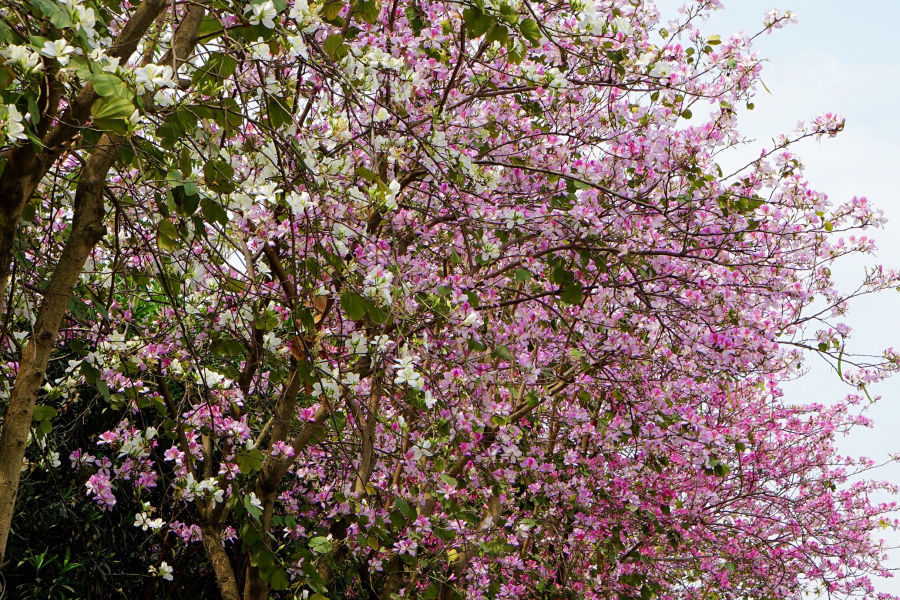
572	293
166	235
376	314
320	545
111	113
530	31
503	352
279	116
331	9
449	480
402	506
366	174
219	176
498	34
6	34
7	76
188	203
686	113
562	276
111	107
279	580
477	22
229	348
515	52
368	10
43	413
190	188
107	84
332	43
213	212
249	462
262	558
415	14
354	305
210	25
523	275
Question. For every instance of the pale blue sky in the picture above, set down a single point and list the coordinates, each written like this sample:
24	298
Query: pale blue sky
841	57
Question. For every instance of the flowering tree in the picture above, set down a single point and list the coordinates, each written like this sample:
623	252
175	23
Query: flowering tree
427	298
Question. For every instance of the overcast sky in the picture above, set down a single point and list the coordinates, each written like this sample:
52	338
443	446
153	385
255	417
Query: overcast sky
842	57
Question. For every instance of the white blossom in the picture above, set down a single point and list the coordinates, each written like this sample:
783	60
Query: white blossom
59	49
263	13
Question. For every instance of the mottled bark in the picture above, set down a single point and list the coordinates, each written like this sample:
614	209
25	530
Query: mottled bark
23	171
212	543
87	229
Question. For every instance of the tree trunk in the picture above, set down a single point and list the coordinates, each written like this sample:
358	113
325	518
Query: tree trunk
25	168
212	543
20	178
87	230
274	470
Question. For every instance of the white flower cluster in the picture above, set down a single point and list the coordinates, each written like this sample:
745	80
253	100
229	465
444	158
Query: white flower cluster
153	76
300	202
143	520
378	284
11	123
23	57
264	13
164	571
191	489
406	373
82	17
357	343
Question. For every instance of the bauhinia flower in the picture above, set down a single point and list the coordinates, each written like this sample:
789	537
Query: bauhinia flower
58	49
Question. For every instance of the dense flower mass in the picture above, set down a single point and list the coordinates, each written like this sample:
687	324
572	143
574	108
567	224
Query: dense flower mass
433	299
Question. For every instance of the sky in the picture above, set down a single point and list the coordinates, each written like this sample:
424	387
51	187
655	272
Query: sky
841	57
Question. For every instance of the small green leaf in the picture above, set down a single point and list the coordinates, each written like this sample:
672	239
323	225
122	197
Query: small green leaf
320	545
332	43
530	31
279	580
213	212
366	174
477	22
107	84
219	176
166	235
503	352
43	413
354	305
498	34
